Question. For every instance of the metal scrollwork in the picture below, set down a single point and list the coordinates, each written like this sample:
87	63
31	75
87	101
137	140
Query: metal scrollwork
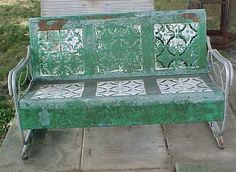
19	82
221	72
19	79
173	41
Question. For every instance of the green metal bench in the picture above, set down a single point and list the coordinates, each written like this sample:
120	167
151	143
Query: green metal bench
120	69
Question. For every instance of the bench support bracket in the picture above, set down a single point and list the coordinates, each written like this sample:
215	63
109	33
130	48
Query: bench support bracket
221	72
26	144
217	134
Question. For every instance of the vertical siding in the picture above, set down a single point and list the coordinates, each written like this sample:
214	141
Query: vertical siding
232	15
74	7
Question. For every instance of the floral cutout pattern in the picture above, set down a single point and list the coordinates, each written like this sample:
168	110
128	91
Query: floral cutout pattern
114	45
59	91
120	88
57	49
182	85
171	42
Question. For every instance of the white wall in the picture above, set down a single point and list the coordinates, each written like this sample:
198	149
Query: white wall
74	7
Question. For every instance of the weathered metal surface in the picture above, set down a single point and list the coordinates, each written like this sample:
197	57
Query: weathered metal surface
59	91
78	7
77	114
120	69
122	109
97	46
182	85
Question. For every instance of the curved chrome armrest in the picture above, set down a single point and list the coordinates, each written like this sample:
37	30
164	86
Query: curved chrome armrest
230	66
13	83
221	72
10	76
209	43
213	53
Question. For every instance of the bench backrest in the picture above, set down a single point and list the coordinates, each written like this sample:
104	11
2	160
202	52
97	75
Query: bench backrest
117	45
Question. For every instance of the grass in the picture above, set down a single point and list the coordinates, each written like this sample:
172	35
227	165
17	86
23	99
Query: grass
14	38
14	32
6	114
170	4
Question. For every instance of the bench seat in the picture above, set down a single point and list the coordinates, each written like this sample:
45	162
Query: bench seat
122	101
139	68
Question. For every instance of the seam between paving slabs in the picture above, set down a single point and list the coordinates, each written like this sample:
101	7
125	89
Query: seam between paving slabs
170	156
81	149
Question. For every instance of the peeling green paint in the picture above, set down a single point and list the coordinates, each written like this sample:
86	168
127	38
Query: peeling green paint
44	118
151	108
118	45
95	48
77	114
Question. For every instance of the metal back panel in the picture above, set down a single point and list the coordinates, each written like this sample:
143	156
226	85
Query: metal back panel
117	45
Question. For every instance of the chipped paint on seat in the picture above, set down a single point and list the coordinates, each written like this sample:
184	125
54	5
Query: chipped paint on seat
119	69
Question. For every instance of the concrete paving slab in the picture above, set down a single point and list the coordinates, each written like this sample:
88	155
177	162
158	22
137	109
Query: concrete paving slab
142	170
59	151
206	166
191	142
134	147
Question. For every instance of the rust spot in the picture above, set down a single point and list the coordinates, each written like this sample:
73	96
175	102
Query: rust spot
107	17
56	24
89	17
104	17
191	16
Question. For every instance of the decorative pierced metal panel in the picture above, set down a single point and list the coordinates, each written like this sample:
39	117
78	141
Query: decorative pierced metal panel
119	48
182	85
124	44
120	88
59	91
60	52
176	45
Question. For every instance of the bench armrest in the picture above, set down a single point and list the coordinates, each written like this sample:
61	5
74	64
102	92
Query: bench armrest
221	72
10	76
220	66
217	55
19	79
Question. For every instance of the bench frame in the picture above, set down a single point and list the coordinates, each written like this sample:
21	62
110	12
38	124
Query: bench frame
214	58
221	72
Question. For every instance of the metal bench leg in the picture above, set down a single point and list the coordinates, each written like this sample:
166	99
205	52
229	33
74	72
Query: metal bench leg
27	141
26	138
217	129
218	134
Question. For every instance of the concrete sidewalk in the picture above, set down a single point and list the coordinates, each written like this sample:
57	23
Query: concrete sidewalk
135	149
116	148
